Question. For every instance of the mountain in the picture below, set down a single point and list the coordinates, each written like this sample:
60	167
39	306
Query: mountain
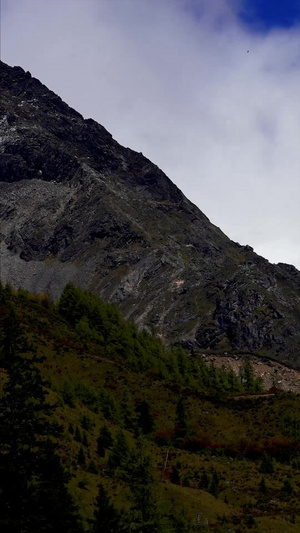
77	206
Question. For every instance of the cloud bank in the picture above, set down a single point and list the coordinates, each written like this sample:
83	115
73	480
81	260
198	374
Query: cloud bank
212	102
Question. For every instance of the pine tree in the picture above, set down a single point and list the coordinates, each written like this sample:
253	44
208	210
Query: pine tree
106	517
104	441
81	457
145	420
78	436
175	476
85	440
214	484
128	415
33	493
120	452
267	465
181	421
263	486
247	375
204	481
144	516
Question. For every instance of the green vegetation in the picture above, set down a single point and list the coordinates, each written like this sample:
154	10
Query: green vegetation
103	428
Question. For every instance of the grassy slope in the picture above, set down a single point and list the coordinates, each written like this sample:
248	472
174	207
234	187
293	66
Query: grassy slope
215	422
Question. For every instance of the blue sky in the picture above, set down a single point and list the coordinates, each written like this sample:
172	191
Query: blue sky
173	79
265	15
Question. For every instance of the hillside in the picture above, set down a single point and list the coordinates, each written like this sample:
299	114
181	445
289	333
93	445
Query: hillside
76	206
187	443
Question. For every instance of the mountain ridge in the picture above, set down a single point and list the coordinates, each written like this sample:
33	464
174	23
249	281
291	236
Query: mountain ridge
76	206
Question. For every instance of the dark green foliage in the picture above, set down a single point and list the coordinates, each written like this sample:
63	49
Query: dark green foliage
92	468
180	522
181	421
143	517
107	519
108	406
86	422
145	420
186	479
68	393
214	484
291	426
287	488
81	457
33	490
104	441
95	320
267	464
250	521
85	394
175	475
249	381
204	481
127	412
78	436
85	440
120	452
263	486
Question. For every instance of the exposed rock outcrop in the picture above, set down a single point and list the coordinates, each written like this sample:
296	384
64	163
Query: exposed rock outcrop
75	205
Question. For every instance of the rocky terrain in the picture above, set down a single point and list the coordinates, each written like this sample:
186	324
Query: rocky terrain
274	374
77	206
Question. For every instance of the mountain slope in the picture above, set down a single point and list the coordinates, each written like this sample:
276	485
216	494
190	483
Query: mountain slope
77	206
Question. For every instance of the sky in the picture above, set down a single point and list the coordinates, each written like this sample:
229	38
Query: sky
209	90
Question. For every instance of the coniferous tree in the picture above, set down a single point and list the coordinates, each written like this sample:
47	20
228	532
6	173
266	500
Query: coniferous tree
175	475
33	493
267	465
120	452
181	421
85	441
145	420
128	415
263	486
104	441
81	457
77	435
144	516
106	516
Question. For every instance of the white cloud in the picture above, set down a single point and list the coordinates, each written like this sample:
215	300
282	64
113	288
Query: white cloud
173	79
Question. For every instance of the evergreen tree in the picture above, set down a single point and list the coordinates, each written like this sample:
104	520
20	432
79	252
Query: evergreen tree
143	517
81	457
214	484
247	375
204	481
145	420
287	488
128	415
106	516
175	476
77	435
267	465
104	441
181	421
108	406
263	486
85	440
120	452
33	493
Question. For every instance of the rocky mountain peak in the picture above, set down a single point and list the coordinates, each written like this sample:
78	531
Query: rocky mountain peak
77	206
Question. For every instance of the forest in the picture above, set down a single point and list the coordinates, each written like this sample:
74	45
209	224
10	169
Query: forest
105	428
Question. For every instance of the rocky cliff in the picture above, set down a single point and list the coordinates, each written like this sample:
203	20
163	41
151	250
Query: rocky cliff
77	206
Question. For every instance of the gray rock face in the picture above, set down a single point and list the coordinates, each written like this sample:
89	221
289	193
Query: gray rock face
77	206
